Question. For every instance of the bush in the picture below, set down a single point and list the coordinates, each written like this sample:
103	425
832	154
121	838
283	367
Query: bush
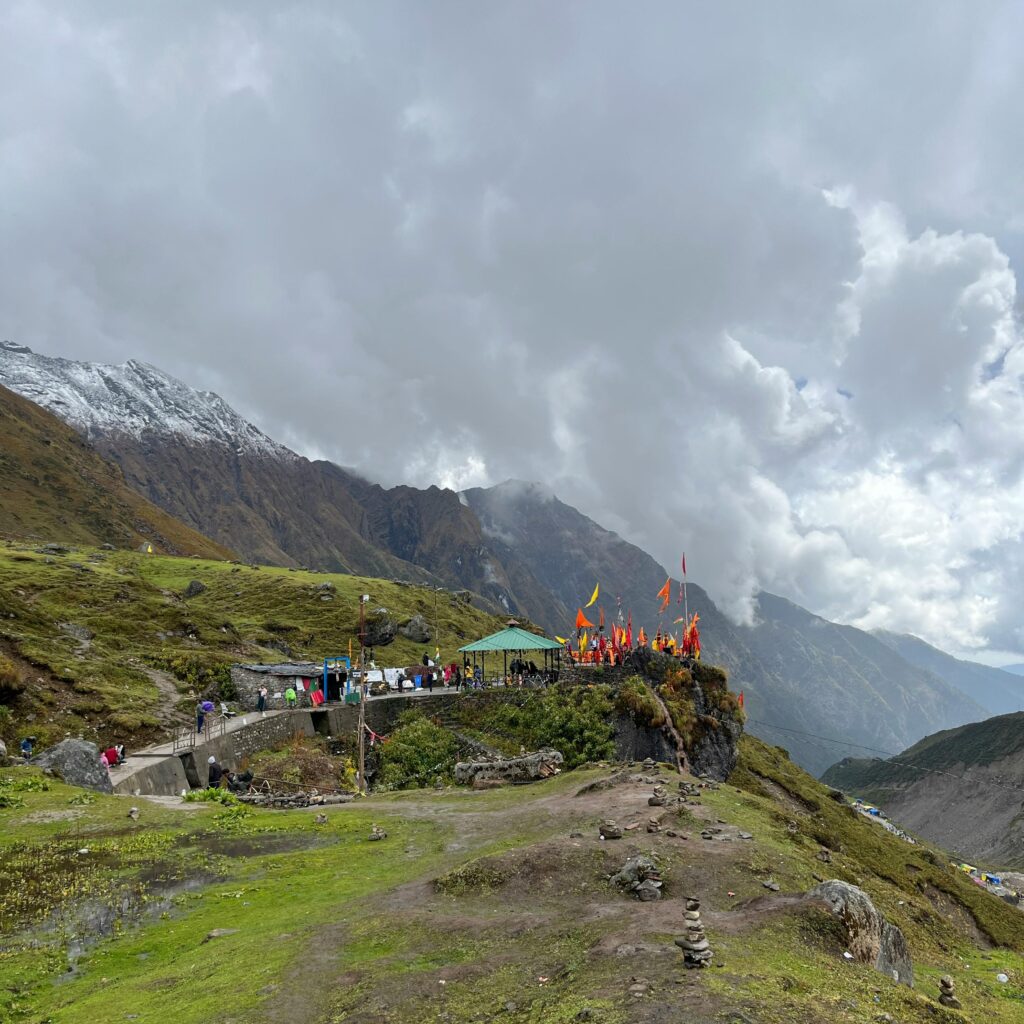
211	796
305	762
11	683
212	680
416	753
635	699
575	720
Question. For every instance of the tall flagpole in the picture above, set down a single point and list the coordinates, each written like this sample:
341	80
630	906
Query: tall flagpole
686	603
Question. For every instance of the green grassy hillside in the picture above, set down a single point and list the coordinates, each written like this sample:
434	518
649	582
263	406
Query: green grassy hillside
478	906
100	641
55	488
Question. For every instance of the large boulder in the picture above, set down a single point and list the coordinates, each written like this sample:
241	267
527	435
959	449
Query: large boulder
381	628
871	939
416	629
3	754
541	765
194	589
77	763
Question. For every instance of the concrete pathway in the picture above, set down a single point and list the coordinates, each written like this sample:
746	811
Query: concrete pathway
140	760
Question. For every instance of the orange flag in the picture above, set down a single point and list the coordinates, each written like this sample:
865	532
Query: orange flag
665	593
582	622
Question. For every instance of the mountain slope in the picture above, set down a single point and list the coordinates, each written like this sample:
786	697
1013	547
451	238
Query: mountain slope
998	691
524	551
800	674
961	787
194	456
55	487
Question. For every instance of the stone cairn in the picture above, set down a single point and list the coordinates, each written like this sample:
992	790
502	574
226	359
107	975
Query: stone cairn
946	995
659	798
377	833
610	830
694	944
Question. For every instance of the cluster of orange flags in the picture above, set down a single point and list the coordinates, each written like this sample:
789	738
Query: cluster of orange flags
691	638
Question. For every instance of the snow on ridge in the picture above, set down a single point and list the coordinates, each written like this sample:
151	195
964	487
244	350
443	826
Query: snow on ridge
133	398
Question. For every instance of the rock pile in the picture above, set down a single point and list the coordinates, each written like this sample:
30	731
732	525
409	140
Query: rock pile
610	830
653	825
946	994
694	944
640	876
377	833
658	798
288	801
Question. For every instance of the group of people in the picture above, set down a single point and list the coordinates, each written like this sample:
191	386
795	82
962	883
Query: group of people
113	755
218	777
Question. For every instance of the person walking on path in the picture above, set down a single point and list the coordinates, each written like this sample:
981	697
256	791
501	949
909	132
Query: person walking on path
200	718
261	701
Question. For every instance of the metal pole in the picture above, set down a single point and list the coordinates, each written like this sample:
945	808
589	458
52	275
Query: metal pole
362	695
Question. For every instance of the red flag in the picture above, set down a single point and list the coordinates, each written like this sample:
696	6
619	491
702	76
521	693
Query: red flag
739	699
629	632
684	563
582	622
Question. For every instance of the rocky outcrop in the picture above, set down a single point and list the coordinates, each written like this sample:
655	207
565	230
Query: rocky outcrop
871	938
416	630
194	589
381	628
540	765
77	763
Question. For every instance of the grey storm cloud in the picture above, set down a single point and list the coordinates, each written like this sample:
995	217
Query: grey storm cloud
737	279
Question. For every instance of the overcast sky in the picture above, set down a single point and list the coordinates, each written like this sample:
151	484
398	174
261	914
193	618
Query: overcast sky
734	278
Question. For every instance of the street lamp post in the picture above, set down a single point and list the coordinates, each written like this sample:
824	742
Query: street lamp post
362	691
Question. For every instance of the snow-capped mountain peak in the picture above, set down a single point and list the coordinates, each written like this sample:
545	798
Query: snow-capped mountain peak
133	398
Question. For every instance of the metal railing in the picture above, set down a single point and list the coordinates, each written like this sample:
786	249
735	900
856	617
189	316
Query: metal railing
186	737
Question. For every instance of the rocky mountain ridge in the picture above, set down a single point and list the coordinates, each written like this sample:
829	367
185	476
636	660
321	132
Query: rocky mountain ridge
516	546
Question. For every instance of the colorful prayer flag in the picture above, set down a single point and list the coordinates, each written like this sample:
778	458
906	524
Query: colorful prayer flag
593	597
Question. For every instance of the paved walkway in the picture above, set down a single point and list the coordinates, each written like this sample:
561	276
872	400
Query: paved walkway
140	759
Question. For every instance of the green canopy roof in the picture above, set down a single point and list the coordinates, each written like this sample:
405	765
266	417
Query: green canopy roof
513	639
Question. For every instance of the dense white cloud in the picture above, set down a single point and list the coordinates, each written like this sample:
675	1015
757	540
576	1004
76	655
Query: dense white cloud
734	278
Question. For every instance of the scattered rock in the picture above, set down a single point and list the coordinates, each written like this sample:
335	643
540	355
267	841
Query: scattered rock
320	819
134	814
220	933
872	939
80	633
825	855
377	833
575	835
194	589
77	762
771	886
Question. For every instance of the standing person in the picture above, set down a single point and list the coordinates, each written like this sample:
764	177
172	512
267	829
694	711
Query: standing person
216	774
26	747
200	718
457	678
430	680
261	701
289	697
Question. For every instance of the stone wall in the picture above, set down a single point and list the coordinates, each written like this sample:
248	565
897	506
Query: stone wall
248	684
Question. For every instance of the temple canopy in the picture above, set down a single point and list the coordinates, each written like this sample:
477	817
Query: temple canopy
512	639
